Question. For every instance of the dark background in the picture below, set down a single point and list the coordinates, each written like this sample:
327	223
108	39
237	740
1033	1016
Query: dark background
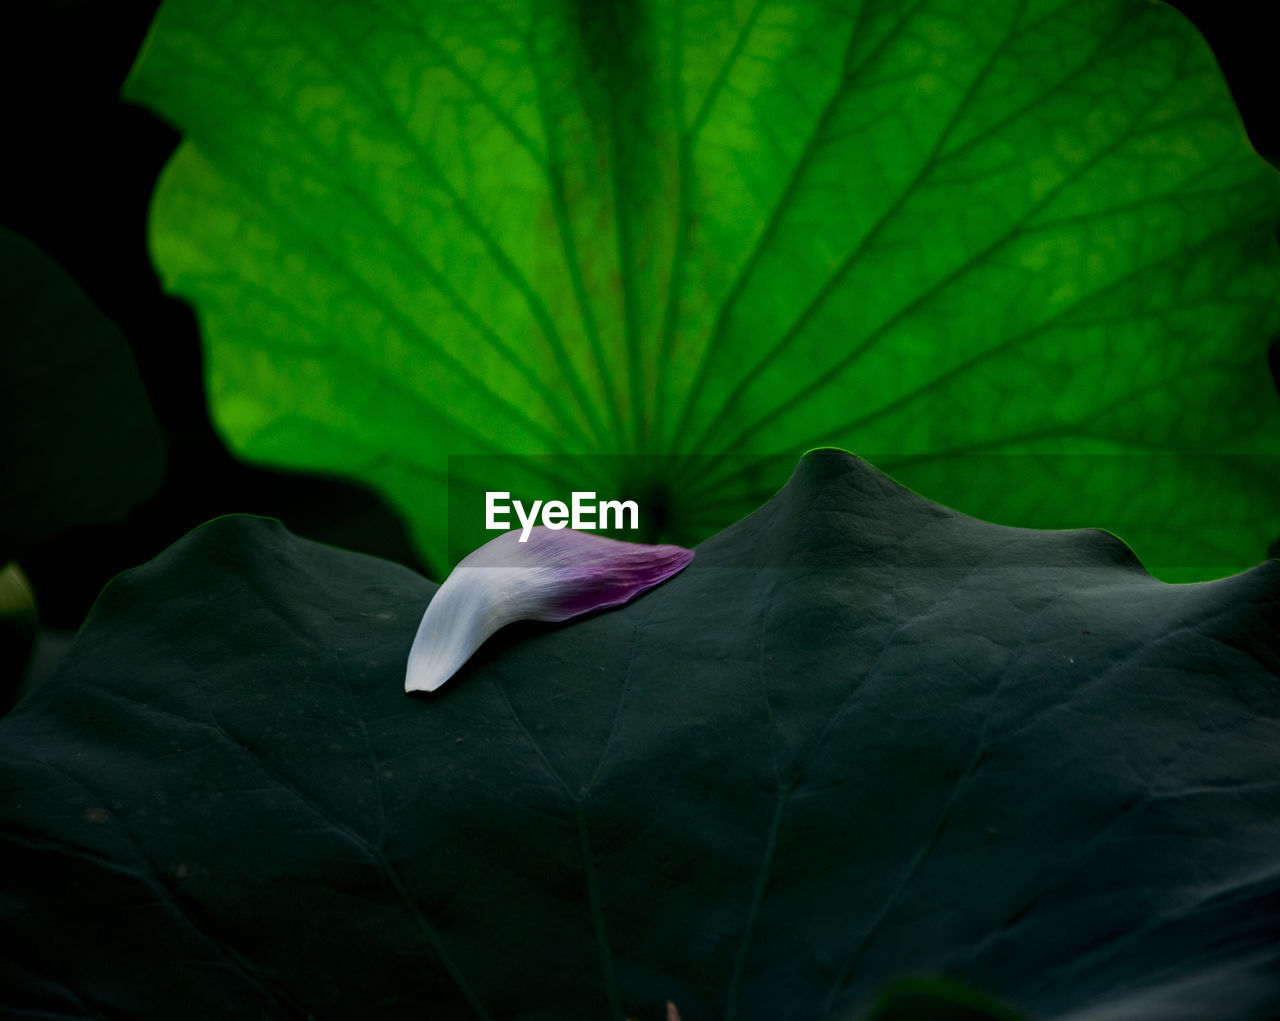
77	177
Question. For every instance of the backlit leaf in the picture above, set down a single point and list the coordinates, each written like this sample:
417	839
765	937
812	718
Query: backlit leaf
936	228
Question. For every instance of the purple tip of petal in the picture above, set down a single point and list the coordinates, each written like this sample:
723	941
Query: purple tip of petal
577	572
610	576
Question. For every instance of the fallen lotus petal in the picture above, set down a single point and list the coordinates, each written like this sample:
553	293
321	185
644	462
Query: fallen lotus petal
555	575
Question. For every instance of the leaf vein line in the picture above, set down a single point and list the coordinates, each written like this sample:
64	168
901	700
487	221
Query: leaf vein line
684	214
757	903
569	243
471	84
528	736
596	907
712	95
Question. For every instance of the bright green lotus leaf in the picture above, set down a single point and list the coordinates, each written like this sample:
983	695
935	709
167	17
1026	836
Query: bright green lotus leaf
1019	252
859	738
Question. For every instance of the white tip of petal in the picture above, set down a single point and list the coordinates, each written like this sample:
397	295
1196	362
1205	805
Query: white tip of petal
555	575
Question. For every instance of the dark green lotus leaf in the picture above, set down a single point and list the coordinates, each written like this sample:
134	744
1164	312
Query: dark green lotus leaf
1018	251
78	442
861	738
